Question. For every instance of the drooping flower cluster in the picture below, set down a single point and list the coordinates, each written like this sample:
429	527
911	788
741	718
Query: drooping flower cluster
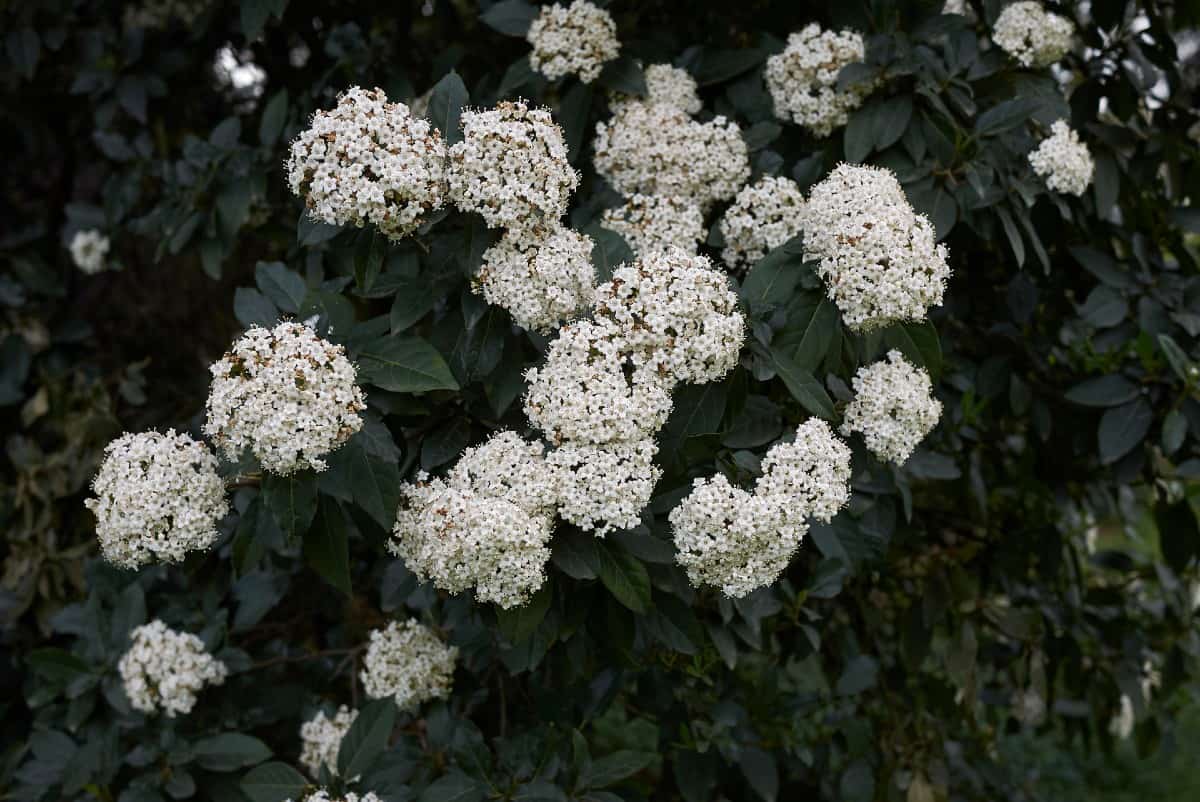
163	670
321	737
322	795
486	525
287	395
878	257
763	216
88	249
655	224
369	161
803	79
158	496
1063	160
893	407
578	39
408	663
542	276
1032	35
739	541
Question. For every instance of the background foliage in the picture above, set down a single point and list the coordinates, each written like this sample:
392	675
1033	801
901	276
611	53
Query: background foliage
885	665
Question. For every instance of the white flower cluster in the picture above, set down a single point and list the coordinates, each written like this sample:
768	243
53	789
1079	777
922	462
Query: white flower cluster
672	86
408	663
486	525
763	216
655	224
286	394
893	407
542	276
740	541
605	487
164	669
1032	35
803	79
88	249
158	496
321	795
578	39
878	257
369	161
1063	160
511	167
321	737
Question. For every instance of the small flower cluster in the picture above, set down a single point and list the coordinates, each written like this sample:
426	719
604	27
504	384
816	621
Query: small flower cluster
763	216
1063	160
286	394
803	79
486	525
655	224
158	496
893	407
878	257
321	795
671	86
408	663
88	250
740	541
1032	35
164	669
321	737
542	276
369	161
578	39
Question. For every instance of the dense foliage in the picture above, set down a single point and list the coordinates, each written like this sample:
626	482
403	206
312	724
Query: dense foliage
1032	566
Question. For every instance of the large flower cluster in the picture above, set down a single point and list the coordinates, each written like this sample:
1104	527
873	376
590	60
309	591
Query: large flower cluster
287	395
542	277
655	224
158	496
408	663
1063	160
893	407
1032	35
605	487
164	669
578	39
369	161
878	257
88	249
321	738
803	79
763	216
810	475
486	525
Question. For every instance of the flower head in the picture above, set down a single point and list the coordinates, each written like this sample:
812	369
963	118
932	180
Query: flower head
655	224
763	216
88	249
543	276
810	476
602	488
1032	35
803	79
1063	160
321	737
409	663
163	670
578	39
893	407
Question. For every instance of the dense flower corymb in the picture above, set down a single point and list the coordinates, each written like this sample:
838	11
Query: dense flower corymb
763	216
408	663
578	39
893	407
164	669
1063	160
878	257
1032	35
88	249
369	161
810	476
287	395
543	276
321	737
158	496
672	86
803	79
604	487
654	224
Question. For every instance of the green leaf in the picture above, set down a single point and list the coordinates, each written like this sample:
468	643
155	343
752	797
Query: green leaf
623	74
609	250
1122	428
573	117
762	772
1104	307
310	231
1178	534
367	737
292	501
56	665
229	751
858	676
446	103
772	279
1178	359
273	782
254	17
892	121
803	386
414	299
576	555
510	17
720	65
1005	116
284	287
274	115
1103	391
369	253
327	545
919	343
373	482
625	577
252	308
518	624
453	787
405	365
613	768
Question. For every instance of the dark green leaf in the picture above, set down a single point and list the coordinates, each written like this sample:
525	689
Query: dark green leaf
1123	428
367	737
1178	534
625	577
1103	391
405	365
292	501
229	751
454	787
274	115
414	299
252	308
518	624
446	102
613	768
803	386
772	279
284	287
510	17
327	545
623	74
273	782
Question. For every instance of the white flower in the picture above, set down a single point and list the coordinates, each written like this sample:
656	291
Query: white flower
286	394
956	7
657	149
809	476
877	256
321	795
369	161
893	408
164	669
654	224
675	311
803	79
1063	160
1033	36
409	663
542	276
732	539
321	737
510	468
158	496
578	39
672	86
88	249
511	167
605	487
763	216
1029	707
